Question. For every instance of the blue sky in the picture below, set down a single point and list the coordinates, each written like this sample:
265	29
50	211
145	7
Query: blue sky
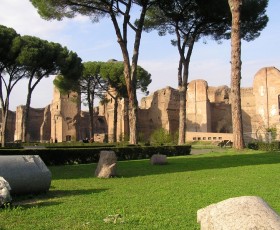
97	42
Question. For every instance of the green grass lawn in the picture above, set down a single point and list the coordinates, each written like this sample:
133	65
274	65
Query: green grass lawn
146	196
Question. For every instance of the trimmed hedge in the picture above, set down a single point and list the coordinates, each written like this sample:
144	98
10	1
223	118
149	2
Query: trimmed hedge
79	146
264	146
82	156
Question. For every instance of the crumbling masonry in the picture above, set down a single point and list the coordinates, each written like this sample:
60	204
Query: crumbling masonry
208	113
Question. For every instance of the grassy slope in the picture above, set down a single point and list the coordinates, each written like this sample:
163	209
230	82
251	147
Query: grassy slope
146	196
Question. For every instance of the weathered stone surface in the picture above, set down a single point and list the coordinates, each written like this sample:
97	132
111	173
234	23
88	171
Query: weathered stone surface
107	163
208	110
10	125
158	159
25	174
5	188
246	212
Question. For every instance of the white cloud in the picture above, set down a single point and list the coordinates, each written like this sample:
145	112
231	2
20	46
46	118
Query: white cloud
97	42
23	17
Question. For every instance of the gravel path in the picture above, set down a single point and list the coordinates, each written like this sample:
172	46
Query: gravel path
203	151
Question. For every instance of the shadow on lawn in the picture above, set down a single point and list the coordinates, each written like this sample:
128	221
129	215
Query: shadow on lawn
194	163
46	199
76	192
175	164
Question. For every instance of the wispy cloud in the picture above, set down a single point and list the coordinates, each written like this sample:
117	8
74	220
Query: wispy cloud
23	17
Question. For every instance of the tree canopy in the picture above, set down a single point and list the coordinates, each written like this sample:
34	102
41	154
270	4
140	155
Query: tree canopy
192	20
120	13
40	59
10	72
98	79
32	58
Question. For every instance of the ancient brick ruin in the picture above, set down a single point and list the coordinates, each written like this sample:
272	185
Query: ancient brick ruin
208	113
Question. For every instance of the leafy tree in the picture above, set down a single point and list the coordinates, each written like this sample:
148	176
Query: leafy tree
88	85
192	20
40	59
10	72
113	73
161	136
99	78
114	9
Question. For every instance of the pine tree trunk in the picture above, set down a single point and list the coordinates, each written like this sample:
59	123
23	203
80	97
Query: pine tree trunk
25	122
90	108
4	126
132	120
115	118
238	141
182	115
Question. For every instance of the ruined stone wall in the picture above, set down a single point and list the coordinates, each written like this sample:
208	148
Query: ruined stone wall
218	94
65	115
10	130
45	129
123	120
99	126
208	110
159	110
266	89
198	107
84	126
221	118
18	123
36	118
248	106
220	109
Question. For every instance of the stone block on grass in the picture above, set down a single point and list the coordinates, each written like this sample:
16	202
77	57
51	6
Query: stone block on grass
107	164
245	212
26	174
5	188
158	159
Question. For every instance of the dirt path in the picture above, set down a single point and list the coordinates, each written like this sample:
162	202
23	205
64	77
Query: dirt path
203	151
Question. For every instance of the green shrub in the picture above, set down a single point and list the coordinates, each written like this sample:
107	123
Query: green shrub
273	132
61	156
142	138
161	137
264	146
253	145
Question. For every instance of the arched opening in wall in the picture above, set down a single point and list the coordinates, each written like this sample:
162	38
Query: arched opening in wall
223	130
279	104
68	137
100	125
151	124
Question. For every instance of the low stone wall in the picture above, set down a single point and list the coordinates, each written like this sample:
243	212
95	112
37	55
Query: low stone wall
201	136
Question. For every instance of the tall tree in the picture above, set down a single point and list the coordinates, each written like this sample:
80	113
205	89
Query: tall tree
237	128
88	85
114	9
10	73
101	78
112	72
191	20
40	59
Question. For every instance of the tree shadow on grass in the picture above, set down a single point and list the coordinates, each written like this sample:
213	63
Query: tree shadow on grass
136	168
47	199
195	163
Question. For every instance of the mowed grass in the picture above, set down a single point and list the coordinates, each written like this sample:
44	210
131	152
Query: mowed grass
146	196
